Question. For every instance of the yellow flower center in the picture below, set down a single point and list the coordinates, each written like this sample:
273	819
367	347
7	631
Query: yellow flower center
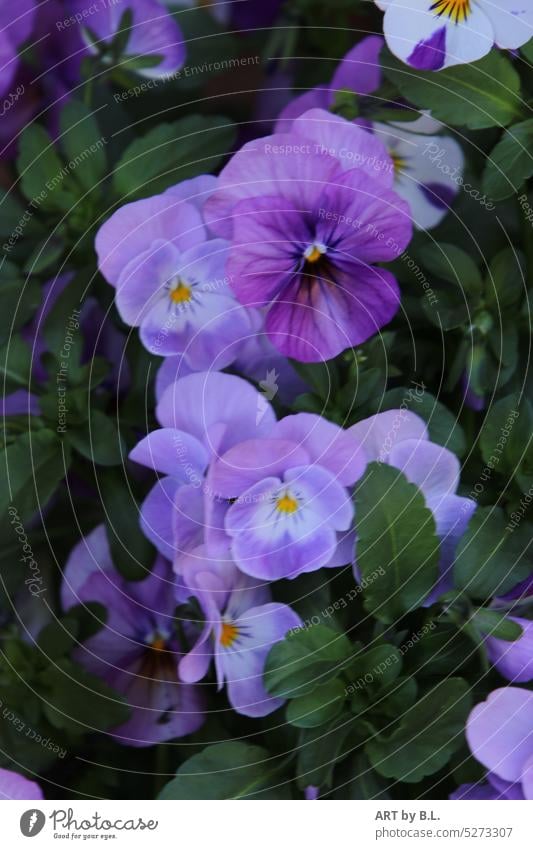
456	10
314	253
228	634
398	162
286	504
181	294
158	644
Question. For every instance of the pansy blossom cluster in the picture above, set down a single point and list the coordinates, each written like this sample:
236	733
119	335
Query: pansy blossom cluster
243	538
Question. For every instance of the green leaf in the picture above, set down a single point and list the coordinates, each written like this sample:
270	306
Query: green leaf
122	34
490	560
231	770
495	624
506	280
396	533
83	144
399	698
15	365
44	253
527	50
506	437
58	638
318	707
79	702
481	94
438	652
363	782
136	62
426	736
62	324
454	265
19	300
321	749
132	553
171	153
304	660
99	440
41	172
30	470
510	162
377	668
321	377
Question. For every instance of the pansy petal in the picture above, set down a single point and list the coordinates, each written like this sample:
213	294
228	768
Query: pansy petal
196	190
141	284
15	786
269	545
281	164
217	333
432	41
475	792
316	322
198	402
170	370
326	443
378	434
268	244
527	779
187	521
349	144
512	22
243	663
133	228
514	658
91	555
162	707
433	468
360	69
251	461
317	98
157	516
322	492
193	667
500	732
365	221
171	452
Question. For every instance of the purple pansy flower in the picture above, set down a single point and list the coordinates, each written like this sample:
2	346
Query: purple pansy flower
493	789
17	21
291	506
427	168
134	228
154	32
434	34
513	658
197	190
307	229
15	786
171	283
241	626
257	360
202	416
400	439
499	732
136	652
359	71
